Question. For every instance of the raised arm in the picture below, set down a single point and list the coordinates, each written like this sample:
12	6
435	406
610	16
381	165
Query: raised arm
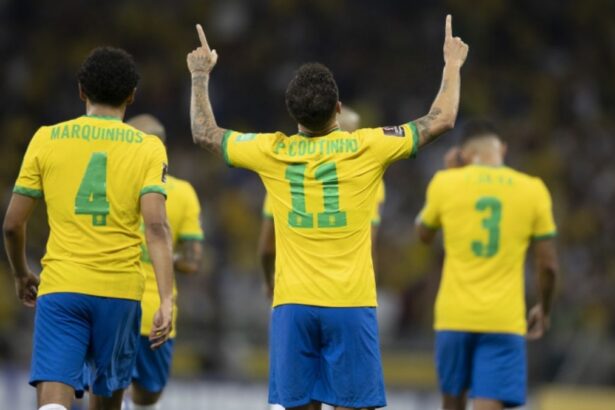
443	112
205	130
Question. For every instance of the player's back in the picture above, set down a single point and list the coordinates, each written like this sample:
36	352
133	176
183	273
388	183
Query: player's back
322	192
92	172
488	215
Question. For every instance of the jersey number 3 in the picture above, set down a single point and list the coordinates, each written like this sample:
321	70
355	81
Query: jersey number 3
491	224
299	217
91	198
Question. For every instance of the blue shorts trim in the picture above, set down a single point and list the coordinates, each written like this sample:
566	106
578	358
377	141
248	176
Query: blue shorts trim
72	330
152	368
325	354
489	365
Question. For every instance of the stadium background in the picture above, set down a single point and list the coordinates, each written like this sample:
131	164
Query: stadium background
543	70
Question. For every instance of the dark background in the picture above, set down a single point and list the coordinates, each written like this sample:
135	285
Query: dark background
542	70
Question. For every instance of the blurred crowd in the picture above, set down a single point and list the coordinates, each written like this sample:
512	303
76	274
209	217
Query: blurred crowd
542	70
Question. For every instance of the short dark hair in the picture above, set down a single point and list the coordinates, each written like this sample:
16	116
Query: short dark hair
478	128
311	96
108	76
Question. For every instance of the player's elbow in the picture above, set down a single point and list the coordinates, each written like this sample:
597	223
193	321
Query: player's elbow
157	230
11	227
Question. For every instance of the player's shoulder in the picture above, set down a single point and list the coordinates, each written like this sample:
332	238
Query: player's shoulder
526	179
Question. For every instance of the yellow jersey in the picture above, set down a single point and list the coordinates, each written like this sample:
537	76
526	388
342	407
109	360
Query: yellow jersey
184	214
376	214
488	216
323	193
92	172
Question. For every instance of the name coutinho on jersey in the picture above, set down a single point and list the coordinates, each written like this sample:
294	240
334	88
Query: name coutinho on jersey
322	147
93	133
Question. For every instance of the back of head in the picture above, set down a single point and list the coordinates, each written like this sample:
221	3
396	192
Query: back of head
108	76
312	96
149	125
477	129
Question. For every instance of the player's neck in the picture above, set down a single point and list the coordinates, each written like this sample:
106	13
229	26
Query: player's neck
99	110
328	129
489	160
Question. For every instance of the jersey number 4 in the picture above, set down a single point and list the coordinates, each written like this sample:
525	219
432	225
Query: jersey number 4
299	217
91	198
491	224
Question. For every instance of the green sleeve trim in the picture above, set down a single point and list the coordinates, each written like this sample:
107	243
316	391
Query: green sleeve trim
191	237
154	188
225	138
267	215
429	226
415	139
375	222
32	193
549	235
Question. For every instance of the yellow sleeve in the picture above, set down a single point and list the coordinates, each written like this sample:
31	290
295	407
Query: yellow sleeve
267	211
380	197
390	144
30	179
190	229
248	150
156	168
544	224
430	214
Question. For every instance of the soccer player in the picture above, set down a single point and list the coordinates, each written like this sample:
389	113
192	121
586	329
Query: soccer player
348	120
489	215
98	176
151	371
322	183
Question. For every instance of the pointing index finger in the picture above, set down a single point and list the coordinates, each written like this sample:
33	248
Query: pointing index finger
199	30
448	28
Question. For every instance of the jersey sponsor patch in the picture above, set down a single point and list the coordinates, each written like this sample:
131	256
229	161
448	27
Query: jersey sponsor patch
394	131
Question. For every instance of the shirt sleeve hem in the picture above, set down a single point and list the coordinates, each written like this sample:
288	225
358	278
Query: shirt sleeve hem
428	225
542	237
415	139
32	193
153	189
225	138
191	237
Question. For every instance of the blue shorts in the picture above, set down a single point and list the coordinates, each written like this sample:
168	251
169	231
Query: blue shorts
489	365
72	330
329	355
151	371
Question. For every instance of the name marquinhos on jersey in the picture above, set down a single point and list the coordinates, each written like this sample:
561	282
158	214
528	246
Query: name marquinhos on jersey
298	148
93	133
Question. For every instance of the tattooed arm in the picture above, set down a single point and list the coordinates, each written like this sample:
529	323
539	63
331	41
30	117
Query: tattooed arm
205	130
443	112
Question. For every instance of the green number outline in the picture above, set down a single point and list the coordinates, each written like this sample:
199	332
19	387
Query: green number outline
491	224
299	217
91	197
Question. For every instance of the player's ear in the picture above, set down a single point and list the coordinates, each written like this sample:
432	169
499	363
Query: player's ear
503	150
82	95
338	107
131	97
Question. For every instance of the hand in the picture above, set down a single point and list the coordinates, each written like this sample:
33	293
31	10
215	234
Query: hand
202	60
455	50
162	326
452	158
27	288
537	323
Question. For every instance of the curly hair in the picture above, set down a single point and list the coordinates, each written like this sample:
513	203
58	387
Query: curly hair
311	96
108	76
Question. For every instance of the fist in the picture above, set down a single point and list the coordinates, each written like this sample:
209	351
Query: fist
27	288
203	59
455	50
